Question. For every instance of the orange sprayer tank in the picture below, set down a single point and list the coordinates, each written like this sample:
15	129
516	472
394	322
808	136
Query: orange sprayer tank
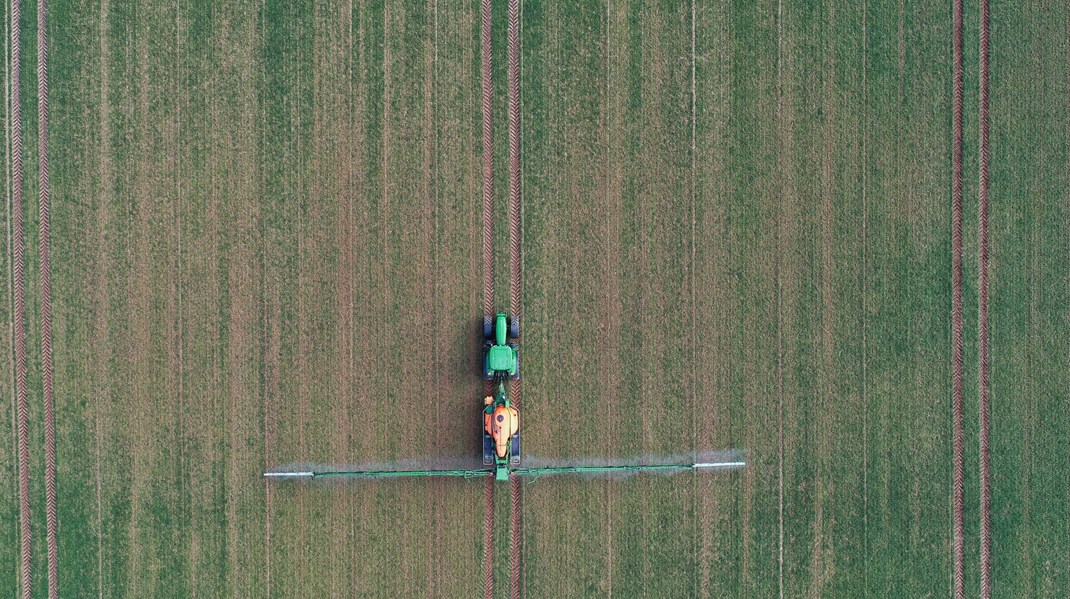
501	424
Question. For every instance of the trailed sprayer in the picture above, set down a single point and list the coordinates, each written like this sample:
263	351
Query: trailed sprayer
501	429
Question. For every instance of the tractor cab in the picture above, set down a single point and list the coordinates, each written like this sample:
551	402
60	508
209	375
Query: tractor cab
500	358
501	433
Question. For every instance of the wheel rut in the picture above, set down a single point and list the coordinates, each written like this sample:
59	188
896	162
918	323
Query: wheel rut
516	532
958	469
488	272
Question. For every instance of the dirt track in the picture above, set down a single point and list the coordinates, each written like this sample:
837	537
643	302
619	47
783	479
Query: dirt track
982	300
956	313
516	532
19	289
515	538
488	166
45	275
488	272
488	538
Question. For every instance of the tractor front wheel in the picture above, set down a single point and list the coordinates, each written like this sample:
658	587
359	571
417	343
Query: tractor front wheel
514	327
488	327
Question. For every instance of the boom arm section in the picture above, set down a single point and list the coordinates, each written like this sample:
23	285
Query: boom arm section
380	473
536	472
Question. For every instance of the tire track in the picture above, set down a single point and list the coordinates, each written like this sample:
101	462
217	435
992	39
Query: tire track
514	159
958	473
778	269
488	171
26	540
514	176
488	275
488	538
515	538
865	291
45	277
982	301
516	533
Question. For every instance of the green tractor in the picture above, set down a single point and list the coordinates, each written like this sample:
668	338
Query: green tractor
500	358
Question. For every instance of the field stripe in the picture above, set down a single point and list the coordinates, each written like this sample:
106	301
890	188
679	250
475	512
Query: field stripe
488	538
1029	295
269	384
488	167
9	342
515	290
428	216
982	317
514	160
778	267
515	537
101	330
714	402
865	293
488	269
7	257
959	591
701	554
26	580
45	277
430	184
515	531
611	198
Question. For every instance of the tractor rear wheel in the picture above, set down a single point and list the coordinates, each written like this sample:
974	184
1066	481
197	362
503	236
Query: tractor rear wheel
516	376
514	453
487	376
488	450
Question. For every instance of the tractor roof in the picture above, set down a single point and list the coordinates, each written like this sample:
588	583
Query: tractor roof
501	357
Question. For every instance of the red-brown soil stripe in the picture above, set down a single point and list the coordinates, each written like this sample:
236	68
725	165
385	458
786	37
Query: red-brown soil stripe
46	300
488	172
488	538
514	174
516	534
515	537
514	158
488	277
19	292
959	591
982	301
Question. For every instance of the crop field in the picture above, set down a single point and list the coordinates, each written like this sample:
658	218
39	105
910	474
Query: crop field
736	234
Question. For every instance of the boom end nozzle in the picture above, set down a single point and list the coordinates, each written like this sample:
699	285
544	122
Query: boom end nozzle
721	465
289	474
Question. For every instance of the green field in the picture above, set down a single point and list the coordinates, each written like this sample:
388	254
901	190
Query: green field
736	234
